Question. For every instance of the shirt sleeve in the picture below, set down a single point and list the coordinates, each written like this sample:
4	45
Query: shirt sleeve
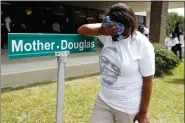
147	62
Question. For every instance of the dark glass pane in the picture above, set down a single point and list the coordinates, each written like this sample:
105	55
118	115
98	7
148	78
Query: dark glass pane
79	17
141	19
58	19
59	10
92	16
68	27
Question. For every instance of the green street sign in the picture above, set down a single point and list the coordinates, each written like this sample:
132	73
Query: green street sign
22	45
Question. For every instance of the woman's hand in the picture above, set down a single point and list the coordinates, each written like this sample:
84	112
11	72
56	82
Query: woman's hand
110	29
141	118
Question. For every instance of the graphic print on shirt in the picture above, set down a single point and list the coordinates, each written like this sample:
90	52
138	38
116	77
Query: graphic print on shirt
109	66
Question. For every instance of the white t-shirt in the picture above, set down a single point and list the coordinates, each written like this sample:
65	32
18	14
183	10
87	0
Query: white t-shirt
169	42
122	65
174	41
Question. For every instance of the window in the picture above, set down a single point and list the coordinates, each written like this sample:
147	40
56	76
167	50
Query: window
60	10
59	18
141	20
5	11
79	17
92	16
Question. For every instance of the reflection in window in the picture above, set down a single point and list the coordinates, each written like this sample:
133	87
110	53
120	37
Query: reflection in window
79	17
59	19
60	10
91	20
101	16
91	16
45	10
28	11
5	3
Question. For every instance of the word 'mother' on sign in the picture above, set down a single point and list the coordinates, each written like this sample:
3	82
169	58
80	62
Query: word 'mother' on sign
32	45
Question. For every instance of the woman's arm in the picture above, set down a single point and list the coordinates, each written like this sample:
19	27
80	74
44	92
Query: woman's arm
142	116
89	30
146	94
147	70
98	29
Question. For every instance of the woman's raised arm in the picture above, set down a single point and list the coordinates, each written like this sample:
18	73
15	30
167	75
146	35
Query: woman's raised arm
97	29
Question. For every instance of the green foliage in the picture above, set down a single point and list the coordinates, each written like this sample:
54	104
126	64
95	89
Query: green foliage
165	60
173	18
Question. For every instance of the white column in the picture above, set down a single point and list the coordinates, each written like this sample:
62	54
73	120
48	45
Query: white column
147	19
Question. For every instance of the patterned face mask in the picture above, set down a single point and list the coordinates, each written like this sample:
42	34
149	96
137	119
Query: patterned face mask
119	35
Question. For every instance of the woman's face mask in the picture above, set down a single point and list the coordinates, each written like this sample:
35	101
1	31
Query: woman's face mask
170	35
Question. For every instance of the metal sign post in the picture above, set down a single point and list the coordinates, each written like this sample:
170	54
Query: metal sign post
61	59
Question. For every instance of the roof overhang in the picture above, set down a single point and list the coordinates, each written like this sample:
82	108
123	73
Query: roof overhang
136	6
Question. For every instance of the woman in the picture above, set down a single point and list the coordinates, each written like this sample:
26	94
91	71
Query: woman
127	68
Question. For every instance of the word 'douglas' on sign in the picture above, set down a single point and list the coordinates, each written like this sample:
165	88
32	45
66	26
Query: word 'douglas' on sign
34	45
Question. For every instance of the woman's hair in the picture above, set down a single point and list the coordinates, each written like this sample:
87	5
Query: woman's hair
122	13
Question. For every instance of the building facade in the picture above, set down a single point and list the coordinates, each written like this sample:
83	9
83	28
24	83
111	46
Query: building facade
46	17
66	17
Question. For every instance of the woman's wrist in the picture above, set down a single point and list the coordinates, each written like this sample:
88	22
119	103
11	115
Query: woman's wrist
102	30
143	112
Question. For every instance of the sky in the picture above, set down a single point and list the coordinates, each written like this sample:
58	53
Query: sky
180	11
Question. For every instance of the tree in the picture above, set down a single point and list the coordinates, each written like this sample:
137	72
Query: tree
173	18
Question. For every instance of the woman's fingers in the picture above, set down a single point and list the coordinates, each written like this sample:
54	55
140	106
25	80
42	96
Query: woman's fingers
116	29
112	28
111	25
